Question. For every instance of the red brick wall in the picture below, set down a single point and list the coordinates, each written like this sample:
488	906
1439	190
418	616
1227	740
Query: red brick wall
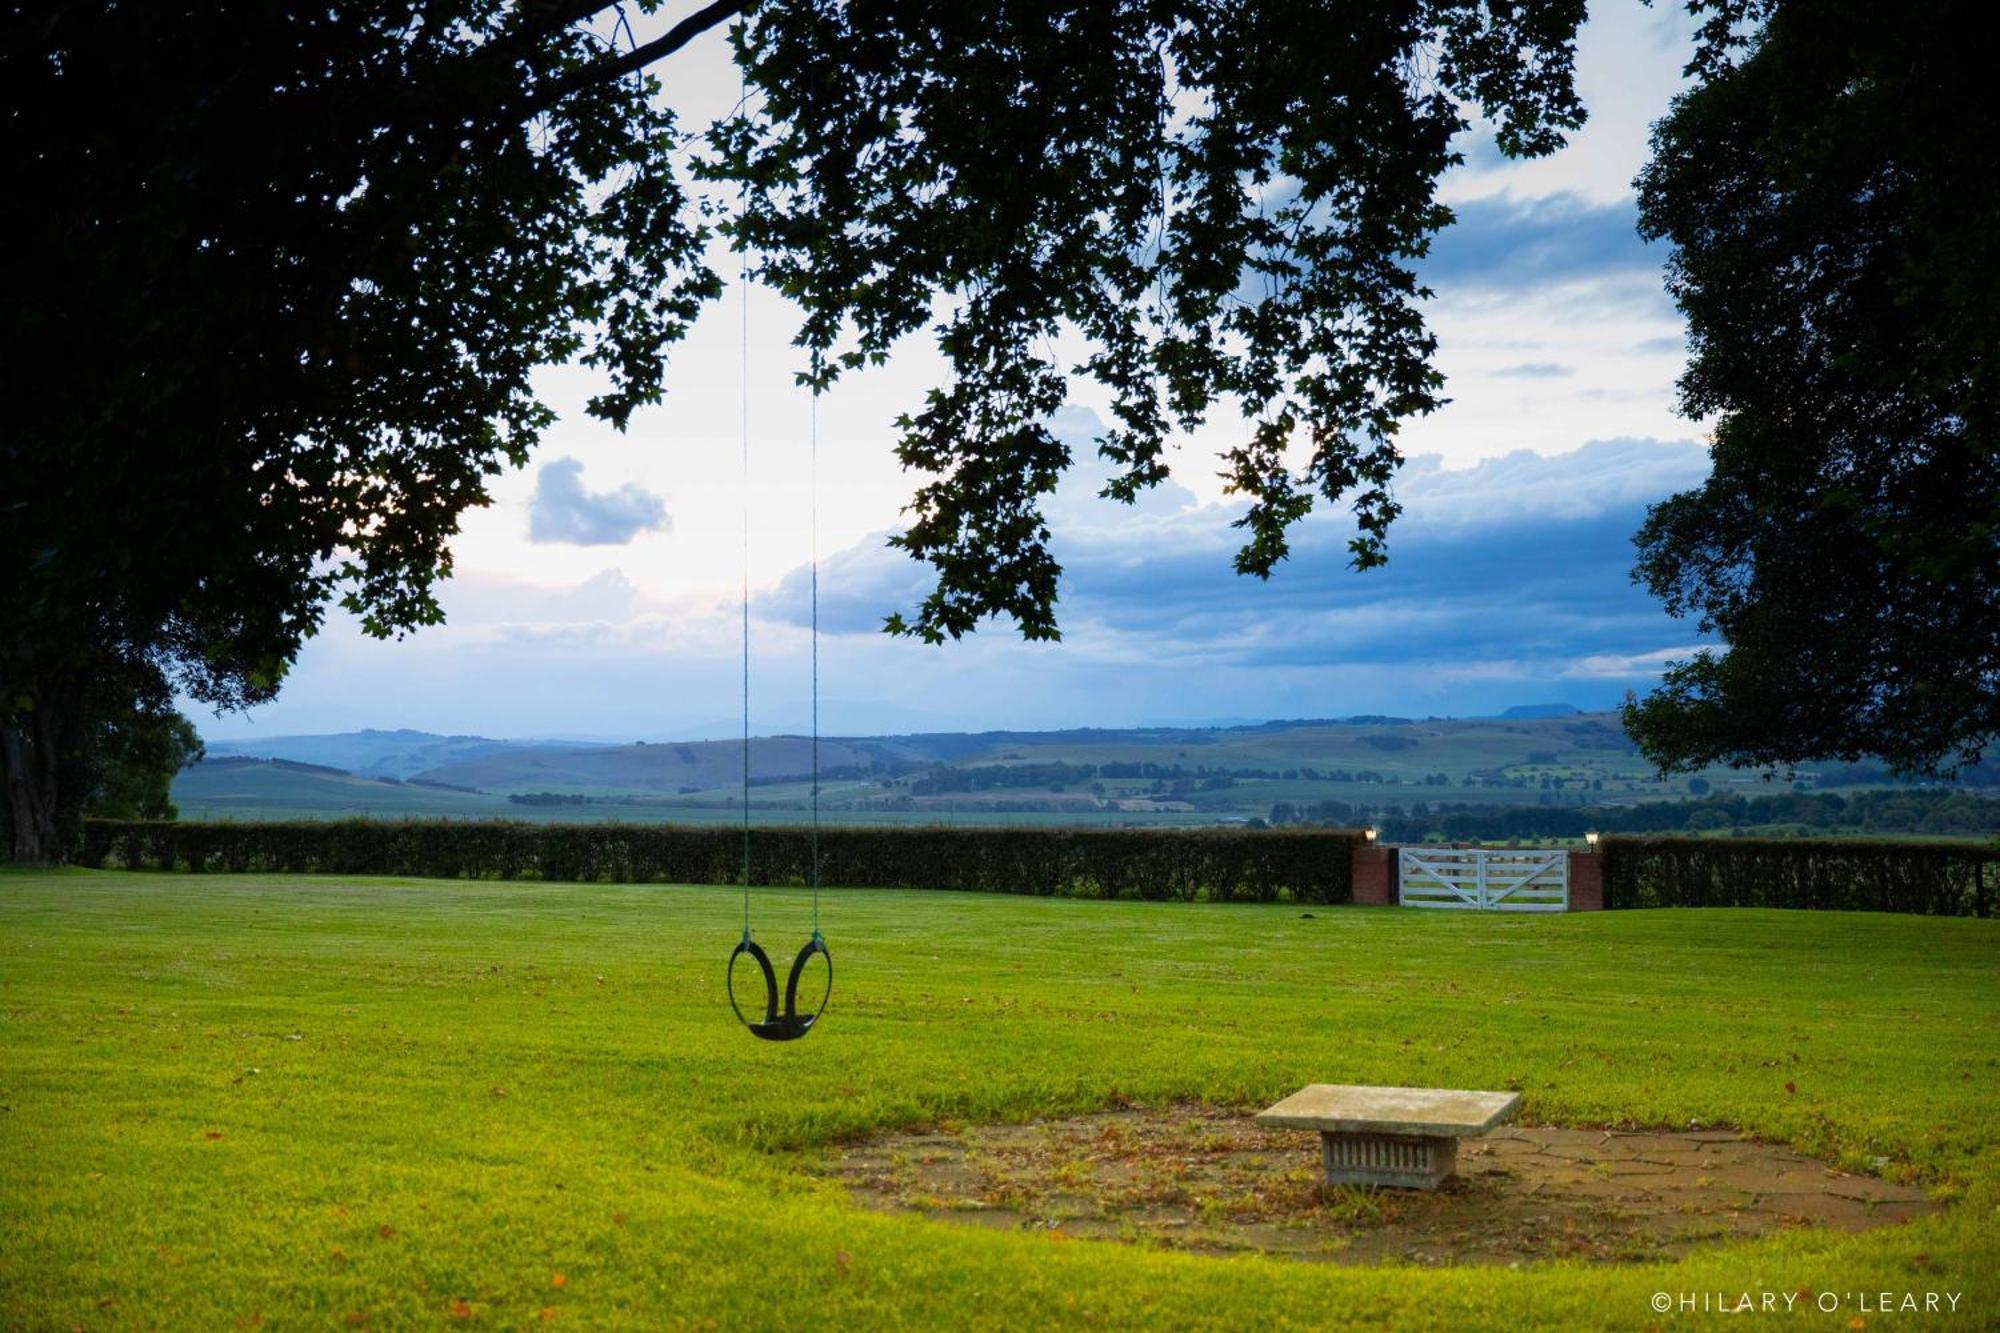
1586	882
1374	875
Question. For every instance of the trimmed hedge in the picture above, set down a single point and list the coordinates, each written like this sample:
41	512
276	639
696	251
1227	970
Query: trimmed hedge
1220	865
1927	878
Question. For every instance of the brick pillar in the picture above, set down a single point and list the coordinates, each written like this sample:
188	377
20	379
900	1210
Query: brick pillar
1586	881
1374	875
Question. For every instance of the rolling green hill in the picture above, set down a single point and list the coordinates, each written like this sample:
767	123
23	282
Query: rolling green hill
1374	767
372	753
643	769
1160	774
240	789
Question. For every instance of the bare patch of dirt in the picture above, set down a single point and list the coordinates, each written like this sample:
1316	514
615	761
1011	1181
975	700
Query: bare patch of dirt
1209	1179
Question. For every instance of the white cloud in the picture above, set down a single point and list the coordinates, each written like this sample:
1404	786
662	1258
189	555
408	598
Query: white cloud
561	510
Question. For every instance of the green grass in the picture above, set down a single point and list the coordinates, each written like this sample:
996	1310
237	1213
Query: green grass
308	1098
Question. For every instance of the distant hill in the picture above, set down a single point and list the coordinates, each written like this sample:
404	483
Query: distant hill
642	768
395	754
241	787
1519	711
1370	765
1231	771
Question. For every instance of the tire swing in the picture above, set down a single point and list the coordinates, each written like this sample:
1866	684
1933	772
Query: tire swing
772	1022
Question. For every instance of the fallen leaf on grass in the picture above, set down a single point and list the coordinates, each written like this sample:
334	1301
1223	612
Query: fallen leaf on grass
1791	1088
842	1260
386	1232
212	1135
461	1310
558	1281
356	1318
548	1313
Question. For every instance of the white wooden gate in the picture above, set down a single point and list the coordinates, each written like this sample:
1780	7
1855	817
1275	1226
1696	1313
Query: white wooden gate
1483	878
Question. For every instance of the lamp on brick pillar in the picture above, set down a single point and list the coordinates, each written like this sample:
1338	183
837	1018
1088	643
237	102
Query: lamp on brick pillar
1586	876
1372	882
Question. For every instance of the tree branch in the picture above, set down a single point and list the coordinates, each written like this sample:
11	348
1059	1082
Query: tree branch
550	17
689	28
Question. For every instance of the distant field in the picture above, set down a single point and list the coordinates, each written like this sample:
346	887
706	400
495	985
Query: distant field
210	792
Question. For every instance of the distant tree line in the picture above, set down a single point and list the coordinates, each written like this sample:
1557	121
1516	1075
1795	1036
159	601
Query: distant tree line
1904	810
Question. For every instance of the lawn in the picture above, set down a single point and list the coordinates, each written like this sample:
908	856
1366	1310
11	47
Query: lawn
407	1103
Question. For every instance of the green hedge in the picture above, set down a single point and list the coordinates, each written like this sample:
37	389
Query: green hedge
1224	865
1931	879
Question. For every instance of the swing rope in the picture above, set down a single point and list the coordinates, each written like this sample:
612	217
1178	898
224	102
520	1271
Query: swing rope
743	385
812	482
773	1023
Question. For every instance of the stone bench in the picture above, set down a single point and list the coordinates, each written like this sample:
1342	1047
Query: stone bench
1405	1137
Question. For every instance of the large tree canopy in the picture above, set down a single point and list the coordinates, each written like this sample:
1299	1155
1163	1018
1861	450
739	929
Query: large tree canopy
1831	190
278	275
1223	199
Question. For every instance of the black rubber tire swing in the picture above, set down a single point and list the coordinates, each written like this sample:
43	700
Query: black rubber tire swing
790	1024
775	1024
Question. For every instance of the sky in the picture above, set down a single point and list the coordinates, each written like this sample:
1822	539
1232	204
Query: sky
599	595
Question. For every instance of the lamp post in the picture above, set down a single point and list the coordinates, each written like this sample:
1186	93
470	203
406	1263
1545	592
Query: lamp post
1372	833
1590	839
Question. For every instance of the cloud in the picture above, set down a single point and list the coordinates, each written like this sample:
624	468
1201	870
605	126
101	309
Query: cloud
561	510
476	598
1536	370
1508	243
1507	583
1519	566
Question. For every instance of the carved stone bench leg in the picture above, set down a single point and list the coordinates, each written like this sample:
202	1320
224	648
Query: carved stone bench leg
1405	1161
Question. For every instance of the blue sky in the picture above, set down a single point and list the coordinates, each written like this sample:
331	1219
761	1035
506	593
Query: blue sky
597	596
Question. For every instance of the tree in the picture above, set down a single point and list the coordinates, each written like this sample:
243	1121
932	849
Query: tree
278	277
126	744
1831	190
140	743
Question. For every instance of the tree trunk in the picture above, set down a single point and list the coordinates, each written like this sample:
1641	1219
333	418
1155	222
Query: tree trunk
30	762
